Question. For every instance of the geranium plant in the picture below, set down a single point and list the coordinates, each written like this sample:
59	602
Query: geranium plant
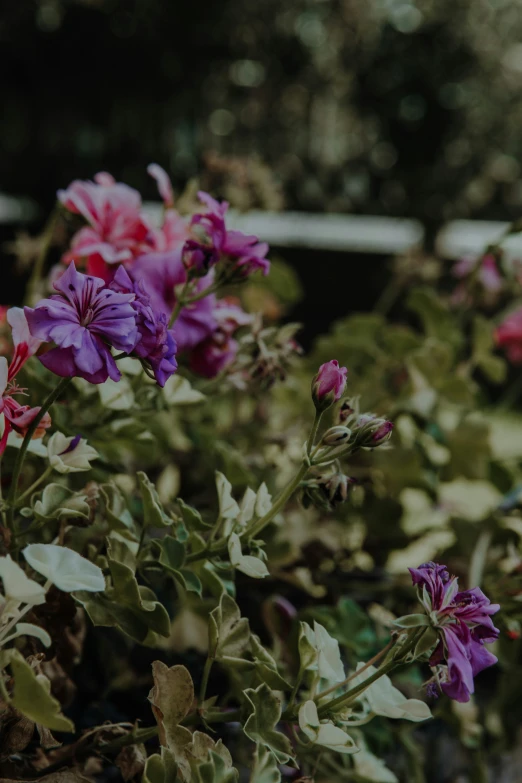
171	484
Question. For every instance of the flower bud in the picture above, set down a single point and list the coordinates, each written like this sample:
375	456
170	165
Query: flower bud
328	385
337	488
336	436
327	491
345	411
371	431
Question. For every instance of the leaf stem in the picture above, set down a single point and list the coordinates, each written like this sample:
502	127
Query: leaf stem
313	432
47	472
358	672
204	681
11	497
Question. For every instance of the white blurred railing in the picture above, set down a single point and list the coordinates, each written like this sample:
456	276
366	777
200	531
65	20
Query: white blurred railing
349	233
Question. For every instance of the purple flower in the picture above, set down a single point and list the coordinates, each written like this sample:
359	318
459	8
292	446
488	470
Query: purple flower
247	252
463	622
85	319
211	242
156	344
219	350
329	384
161	273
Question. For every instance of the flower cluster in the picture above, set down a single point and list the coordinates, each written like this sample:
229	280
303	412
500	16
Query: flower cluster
181	255
463	622
18	417
87	318
211	242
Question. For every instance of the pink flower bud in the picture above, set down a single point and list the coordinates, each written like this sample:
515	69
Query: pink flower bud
328	385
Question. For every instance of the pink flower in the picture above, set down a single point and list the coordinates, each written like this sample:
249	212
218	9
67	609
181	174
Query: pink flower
210	243
18	417
329	384
509	336
161	274
213	355
488	273
174	231
163	182
116	232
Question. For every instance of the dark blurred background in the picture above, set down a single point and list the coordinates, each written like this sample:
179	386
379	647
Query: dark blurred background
386	107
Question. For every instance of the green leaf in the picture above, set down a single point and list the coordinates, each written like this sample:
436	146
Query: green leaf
210	761
131	607
229	633
153	513
265	769
307	652
266	666
116	512
172	554
171	699
59	502
435	316
191	517
172	558
426	643
154	771
412	620
265	713
31	694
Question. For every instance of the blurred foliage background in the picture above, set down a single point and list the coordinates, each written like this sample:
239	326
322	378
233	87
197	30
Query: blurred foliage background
401	107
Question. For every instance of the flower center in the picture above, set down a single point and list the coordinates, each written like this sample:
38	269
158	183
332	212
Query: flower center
87	317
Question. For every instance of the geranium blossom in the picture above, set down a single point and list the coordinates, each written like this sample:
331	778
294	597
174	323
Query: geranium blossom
156	344
463	621
161	273
174	230
18	417
329	384
84	320
117	230
211	242
217	351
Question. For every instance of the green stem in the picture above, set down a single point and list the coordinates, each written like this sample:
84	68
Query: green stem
294	690
177	310
342	700
182	302
388	297
11	497
47	472
388	665
37	272
313	432
204	681
279	503
220	547
358	672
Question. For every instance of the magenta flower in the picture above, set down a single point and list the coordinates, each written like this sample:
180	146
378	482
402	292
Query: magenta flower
156	345
509	336
84	320
329	384
161	273
216	352
18	417
174	231
117	230
211	242
463	622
